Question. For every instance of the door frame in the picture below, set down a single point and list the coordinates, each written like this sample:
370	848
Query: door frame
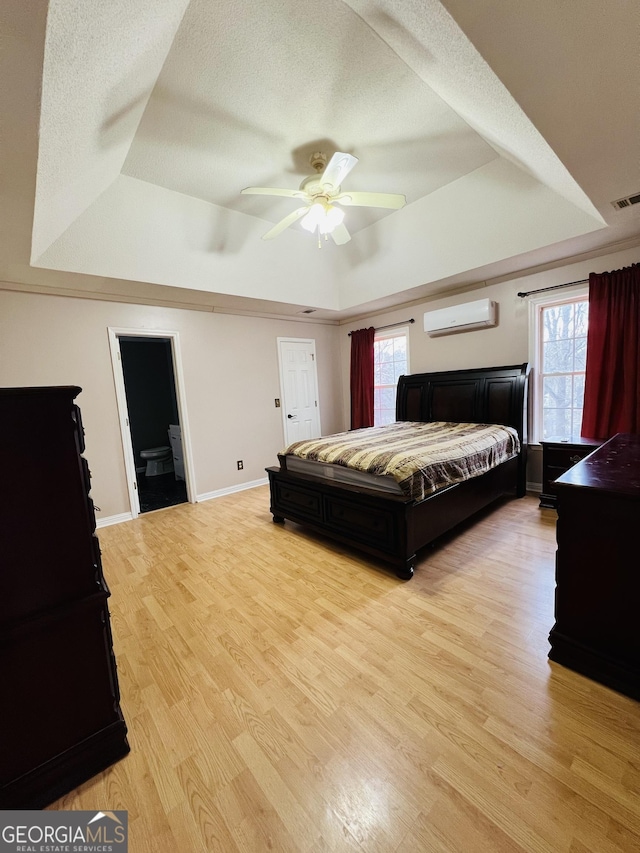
283	402
115	333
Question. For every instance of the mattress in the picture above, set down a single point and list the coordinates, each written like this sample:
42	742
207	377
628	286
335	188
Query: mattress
420	458
341	474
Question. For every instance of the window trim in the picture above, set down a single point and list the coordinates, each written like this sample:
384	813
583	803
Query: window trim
395	332
536	303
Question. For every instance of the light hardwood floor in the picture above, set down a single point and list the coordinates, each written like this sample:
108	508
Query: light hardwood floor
284	694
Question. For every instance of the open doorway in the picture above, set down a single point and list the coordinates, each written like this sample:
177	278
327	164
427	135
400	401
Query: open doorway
149	381
152	416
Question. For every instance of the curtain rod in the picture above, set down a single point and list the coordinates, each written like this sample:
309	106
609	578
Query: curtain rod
554	287
391	325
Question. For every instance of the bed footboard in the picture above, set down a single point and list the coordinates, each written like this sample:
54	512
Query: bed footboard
389	527
361	518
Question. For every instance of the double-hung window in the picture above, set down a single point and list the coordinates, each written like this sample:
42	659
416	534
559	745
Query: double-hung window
391	361
560	339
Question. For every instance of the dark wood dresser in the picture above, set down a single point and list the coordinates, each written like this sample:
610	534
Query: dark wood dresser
557	457
597	602
61	717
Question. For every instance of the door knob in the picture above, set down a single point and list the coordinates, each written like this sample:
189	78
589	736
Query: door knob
292	416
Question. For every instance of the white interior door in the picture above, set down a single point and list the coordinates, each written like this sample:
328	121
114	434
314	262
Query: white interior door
298	389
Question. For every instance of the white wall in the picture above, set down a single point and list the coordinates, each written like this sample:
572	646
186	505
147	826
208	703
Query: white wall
230	371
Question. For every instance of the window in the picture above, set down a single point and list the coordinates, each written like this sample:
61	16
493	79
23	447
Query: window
391	361
559	362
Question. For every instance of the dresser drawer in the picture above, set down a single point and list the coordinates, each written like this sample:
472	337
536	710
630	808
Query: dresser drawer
557	458
564	456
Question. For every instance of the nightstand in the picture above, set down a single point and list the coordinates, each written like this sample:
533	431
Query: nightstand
557	457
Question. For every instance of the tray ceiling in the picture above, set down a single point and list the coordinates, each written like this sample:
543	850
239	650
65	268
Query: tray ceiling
153	116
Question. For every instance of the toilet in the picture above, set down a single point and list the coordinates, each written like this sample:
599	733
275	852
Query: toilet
159	461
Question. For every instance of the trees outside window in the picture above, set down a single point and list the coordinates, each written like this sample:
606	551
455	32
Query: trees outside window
561	335
391	361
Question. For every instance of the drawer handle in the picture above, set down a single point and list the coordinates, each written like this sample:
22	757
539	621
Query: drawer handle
576	458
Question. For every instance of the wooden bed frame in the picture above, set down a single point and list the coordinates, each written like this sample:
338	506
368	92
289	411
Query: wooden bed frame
393	528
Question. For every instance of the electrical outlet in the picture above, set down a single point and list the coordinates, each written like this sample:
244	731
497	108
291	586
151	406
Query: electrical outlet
240	465
277	402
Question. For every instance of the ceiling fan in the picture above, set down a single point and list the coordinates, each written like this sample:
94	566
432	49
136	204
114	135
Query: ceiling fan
321	194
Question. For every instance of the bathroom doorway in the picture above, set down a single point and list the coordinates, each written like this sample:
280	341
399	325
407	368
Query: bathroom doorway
152	418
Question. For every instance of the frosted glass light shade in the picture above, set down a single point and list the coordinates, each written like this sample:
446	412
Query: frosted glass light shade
333	217
324	217
313	218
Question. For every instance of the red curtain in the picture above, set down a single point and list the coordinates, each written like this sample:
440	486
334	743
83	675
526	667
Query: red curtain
612	378
362	378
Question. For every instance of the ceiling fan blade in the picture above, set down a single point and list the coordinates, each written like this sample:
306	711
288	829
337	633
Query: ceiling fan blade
285	223
340	235
337	169
394	201
272	191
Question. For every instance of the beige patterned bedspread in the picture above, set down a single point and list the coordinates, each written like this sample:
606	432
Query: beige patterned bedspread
421	458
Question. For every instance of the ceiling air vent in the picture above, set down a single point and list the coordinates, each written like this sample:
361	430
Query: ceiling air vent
621	203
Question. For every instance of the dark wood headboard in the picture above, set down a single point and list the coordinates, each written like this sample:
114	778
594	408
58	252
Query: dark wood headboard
491	395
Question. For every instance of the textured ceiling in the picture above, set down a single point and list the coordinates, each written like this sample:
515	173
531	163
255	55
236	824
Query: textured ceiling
130	130
316	77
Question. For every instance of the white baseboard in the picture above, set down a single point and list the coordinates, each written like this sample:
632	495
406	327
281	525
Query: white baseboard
220	493
207	496
113	519
534	488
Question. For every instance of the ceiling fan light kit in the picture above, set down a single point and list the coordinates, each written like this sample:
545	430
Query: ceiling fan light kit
321	193
323	216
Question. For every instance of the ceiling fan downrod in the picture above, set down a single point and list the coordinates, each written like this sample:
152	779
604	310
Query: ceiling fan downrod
318	161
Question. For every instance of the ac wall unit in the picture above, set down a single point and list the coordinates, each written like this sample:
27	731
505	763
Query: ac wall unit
461	318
